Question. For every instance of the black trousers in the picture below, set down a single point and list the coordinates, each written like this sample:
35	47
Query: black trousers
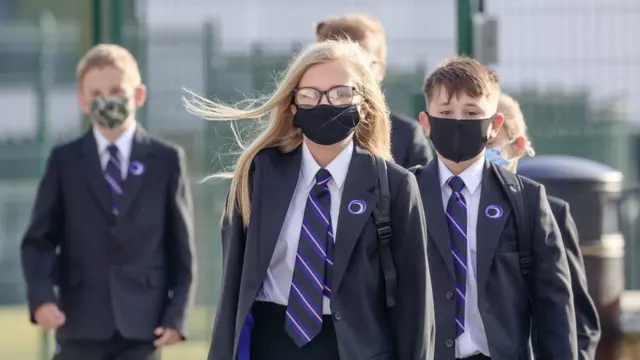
117	348
270	341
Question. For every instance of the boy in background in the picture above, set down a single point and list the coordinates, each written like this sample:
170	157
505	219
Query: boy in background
485	307
505	150
409	145
111	227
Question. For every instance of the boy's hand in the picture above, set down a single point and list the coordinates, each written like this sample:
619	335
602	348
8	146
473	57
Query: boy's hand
49	317
166	336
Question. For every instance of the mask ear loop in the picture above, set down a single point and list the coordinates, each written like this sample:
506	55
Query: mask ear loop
529	149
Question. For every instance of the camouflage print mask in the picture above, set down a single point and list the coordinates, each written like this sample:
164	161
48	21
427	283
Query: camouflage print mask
110	111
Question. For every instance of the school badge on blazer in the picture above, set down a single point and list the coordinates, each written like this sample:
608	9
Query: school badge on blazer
357	207
136	168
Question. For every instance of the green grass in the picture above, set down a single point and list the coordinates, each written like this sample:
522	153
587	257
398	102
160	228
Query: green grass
20	340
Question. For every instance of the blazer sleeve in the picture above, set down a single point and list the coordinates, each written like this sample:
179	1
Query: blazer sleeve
233	245
587	322
419	152
412	319
553	312
180	244
42	238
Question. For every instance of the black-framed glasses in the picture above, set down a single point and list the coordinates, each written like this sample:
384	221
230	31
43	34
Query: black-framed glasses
310	97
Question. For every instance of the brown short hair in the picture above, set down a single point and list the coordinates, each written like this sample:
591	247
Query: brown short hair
364	29
103	55
462	74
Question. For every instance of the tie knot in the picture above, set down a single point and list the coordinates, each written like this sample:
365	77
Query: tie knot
456	184
322	177
113	150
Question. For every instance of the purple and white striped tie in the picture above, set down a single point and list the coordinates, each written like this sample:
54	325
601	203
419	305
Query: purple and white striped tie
113	175
313	267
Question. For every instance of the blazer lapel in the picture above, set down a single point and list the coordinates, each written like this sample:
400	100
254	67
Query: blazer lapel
359	187
493	213
93	174
138	161
276	197
437	227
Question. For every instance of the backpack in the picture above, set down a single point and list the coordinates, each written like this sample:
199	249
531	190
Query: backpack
514	190
382	219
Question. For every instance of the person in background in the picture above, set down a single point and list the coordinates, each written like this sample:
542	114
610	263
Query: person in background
303	274
505	150
409	145
485	307
111	227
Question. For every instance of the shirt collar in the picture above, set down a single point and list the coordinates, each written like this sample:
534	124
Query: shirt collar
472	176
123	143
338	167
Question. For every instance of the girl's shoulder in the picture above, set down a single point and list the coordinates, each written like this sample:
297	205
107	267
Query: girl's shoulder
273	155
396	171
397	177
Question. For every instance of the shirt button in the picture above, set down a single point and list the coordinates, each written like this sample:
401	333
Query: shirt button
337	315
448	343
449	295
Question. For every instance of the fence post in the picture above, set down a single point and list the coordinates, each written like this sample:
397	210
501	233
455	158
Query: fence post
464	28
46	65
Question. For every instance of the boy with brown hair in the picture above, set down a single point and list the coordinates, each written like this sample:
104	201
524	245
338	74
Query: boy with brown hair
493	291
111	227
409	145
506	149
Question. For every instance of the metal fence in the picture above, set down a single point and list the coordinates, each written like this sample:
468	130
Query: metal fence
588	117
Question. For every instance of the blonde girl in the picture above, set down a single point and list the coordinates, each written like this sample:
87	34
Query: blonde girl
302	275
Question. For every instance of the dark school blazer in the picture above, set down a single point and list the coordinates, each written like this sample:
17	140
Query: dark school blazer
128	273
365	329
409	144
503	296
587	322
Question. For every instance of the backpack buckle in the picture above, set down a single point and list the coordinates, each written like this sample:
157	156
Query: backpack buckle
384	235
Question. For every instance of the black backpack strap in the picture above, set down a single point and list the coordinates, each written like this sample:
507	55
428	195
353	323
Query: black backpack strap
416	170
382	218
514	189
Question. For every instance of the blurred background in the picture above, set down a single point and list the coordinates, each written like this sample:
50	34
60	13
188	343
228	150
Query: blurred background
574	66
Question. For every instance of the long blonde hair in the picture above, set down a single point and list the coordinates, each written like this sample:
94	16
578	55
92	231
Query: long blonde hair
372	132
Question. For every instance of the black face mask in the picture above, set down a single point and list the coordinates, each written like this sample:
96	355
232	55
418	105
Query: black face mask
459	140
327	124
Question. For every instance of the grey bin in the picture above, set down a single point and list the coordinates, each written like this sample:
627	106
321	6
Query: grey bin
593	191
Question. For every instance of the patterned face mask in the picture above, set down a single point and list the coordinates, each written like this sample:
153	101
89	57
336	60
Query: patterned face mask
496	156
110	111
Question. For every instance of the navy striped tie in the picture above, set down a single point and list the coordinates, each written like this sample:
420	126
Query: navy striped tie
113	175
314	261
457	223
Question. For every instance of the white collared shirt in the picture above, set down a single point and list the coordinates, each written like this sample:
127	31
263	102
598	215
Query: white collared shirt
276	285
124	144
474	339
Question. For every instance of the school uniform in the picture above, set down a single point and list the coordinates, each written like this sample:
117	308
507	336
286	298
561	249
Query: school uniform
260	299
111	228
587	322
409	144
485	311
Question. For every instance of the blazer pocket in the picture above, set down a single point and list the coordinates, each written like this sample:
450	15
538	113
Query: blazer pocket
509	246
